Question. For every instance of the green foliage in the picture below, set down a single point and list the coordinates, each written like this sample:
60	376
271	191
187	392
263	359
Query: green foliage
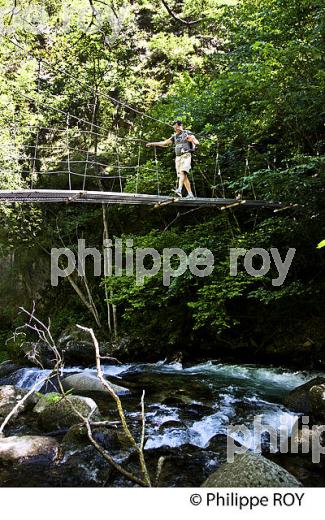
49	398
3	350
247	78
13	346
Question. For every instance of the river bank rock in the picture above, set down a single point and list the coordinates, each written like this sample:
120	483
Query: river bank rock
28	447
251	470
77	349
172	424
317	399
61	414
111	439
302	467
45	400
40	351
83	383
219	444
10	397
301	400
78	353
7	368
162	387
183	466
307	439
74	346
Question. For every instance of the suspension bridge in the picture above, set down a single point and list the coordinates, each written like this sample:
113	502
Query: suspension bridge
109	197
87	155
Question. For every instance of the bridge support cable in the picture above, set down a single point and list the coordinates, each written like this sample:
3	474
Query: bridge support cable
68	152
139	158
91	130
247	174
117	149
193	182
157	171
34	160
218	174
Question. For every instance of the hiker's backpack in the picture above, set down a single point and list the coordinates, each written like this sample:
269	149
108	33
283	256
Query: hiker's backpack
181	144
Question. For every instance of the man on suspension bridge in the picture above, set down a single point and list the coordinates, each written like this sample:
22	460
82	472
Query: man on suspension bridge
185	142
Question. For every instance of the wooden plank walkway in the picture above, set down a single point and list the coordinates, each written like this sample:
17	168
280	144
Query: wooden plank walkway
107	197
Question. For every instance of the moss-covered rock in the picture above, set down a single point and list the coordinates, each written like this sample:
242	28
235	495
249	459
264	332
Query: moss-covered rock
45	400
63	413
251	470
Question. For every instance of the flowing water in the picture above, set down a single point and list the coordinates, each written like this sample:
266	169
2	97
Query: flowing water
191	405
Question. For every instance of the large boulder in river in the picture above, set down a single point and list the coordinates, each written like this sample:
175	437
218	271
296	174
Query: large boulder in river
10	396
299	399
251	470
63	413
28	447
88	384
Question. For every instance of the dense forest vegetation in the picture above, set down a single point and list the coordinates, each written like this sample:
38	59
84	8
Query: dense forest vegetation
95	80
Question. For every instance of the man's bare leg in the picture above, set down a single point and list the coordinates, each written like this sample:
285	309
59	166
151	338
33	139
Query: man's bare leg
181	180
187	183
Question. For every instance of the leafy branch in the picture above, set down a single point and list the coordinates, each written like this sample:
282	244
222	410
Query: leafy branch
177	18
